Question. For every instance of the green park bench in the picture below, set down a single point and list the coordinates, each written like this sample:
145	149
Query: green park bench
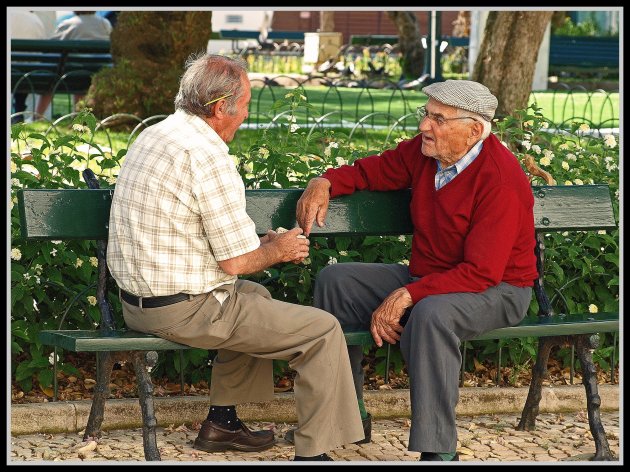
47	214
54	66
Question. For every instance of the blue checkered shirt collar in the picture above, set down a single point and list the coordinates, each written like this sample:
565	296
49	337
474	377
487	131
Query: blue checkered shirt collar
444	176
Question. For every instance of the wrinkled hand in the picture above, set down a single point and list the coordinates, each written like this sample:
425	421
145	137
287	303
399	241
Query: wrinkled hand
385	319
313	204
293	247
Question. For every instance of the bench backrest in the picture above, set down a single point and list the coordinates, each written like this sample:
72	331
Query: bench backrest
41	65
84	214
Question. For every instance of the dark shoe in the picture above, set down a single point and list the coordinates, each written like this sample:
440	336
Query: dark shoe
321	457
434	456
214	438
367	430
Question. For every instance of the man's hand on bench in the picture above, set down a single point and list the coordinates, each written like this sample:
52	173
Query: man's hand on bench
313	204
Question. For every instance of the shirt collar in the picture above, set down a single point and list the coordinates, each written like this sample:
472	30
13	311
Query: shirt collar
204	129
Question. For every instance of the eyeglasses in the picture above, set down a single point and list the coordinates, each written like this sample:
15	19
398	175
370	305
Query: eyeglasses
422	113
217	99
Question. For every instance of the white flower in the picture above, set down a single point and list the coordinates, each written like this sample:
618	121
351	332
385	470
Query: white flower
332	260
51	358
16	254
536	148
398	140
544	125
343	253
565	165
578	182
267	273
527	145
53	252
341	161
288	95
592	308
528	124
14	167
111	180
78	263
505	144
568	182
401	238
263	152
303	97
564	146
609	141
27	276
545	161
16	182
548	154
91	300
584	127
56	241
565	234
38	269
571	157
292	119
306	261
334	144
601	231
327	152
405	262
94	261
294	127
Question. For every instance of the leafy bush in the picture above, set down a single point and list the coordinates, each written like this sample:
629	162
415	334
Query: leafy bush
48	277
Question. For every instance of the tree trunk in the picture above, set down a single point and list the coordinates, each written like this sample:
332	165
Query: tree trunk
508	54
409	38
149	50
326	21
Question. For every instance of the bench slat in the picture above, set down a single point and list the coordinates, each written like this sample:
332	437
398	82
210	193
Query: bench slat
126	340
84	214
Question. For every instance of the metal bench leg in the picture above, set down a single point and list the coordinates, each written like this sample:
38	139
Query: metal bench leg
101	393
145	394
584	344
530	411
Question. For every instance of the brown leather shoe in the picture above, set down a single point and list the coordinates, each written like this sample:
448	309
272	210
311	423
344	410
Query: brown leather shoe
214	438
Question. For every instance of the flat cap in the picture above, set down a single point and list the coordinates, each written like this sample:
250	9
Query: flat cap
466	95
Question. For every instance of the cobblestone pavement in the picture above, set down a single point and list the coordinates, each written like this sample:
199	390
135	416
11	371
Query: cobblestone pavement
490	438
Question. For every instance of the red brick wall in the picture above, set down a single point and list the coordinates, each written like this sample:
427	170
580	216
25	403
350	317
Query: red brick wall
355	22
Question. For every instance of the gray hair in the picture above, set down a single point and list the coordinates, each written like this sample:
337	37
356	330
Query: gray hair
487	125
210	77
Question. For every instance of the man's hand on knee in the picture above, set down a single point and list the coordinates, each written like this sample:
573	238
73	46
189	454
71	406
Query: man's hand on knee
385	324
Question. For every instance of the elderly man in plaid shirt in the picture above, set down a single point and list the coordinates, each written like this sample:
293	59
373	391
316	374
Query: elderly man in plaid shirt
472	261
179	237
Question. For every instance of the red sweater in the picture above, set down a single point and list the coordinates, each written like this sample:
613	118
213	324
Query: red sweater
473	233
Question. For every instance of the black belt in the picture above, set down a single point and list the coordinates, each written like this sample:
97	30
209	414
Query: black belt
153	302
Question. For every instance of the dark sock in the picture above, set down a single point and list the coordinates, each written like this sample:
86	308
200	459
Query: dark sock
224	416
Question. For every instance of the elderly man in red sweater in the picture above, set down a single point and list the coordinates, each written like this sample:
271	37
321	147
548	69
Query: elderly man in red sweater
472	261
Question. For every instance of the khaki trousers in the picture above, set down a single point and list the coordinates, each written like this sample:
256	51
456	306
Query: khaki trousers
249	330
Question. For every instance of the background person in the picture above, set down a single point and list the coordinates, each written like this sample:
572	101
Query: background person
472	261
85	25
24	25
179	236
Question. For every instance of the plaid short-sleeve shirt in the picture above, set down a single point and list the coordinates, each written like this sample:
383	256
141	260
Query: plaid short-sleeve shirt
178	208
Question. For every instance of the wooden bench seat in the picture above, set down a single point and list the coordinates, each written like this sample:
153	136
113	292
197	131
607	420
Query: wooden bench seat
84	214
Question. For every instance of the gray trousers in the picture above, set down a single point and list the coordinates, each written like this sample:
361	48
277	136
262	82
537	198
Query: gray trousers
430	341
249	330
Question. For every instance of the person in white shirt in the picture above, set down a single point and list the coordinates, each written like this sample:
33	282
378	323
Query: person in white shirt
85	25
